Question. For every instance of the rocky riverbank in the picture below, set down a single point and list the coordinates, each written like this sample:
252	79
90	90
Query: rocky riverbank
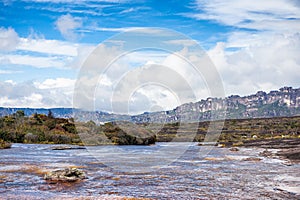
286	148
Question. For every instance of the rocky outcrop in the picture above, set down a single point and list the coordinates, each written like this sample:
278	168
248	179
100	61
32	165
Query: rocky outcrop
65	175
283	143
287	148
285	102
291	154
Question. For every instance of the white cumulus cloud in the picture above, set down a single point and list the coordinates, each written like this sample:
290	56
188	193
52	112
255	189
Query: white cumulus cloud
9	39
255	14
39	52
267	63
45	94
48	46
265	58
67	25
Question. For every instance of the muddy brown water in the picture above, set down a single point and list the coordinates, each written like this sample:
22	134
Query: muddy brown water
221	174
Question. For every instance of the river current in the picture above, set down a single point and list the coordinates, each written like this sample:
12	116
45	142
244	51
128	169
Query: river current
219	174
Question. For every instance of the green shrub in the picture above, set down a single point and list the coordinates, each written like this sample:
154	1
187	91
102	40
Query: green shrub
4	144
70	127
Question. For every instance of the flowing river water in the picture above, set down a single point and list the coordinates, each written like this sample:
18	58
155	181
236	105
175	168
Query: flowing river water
221	174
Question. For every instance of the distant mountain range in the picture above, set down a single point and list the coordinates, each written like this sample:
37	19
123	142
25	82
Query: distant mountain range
284	102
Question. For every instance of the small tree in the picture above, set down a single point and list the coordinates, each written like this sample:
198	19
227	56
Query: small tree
50	114
20	113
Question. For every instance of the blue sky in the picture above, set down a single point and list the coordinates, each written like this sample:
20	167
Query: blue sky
254	44
101	19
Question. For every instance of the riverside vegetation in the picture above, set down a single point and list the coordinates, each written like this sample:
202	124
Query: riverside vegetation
38	128
41	128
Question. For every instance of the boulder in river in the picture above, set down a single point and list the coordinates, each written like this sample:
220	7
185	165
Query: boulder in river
65	175
233	149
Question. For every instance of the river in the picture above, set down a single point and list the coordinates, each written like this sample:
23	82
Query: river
219	174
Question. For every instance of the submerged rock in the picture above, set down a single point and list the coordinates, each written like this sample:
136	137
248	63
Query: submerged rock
255	159
208	144
221	145
266	153
233	149
66	147
65	175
